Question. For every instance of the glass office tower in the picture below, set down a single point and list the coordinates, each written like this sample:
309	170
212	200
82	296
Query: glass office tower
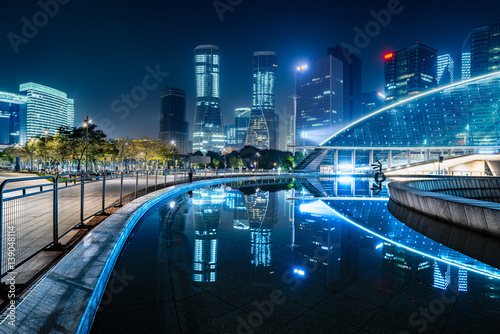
241	119
445	69
483	45
46	108
320	100
11	108
208	134
262	126
410	71
173	125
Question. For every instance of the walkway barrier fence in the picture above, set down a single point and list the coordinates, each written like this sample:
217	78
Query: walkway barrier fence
36	212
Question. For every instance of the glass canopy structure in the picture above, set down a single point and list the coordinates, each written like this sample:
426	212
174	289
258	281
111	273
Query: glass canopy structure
457	119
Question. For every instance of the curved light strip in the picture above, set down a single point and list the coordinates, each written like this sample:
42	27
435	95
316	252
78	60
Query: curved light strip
497	276
411	99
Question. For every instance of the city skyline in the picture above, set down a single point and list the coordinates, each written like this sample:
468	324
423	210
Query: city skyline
45	58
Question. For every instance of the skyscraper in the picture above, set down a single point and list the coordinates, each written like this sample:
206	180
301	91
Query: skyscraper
173	125
483	44
262	124
208	134
445	69
410	71
46	108
320	100
11	107
465	65
241	119
351	72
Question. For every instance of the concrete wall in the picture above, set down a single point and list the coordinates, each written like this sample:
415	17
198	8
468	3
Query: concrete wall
430	197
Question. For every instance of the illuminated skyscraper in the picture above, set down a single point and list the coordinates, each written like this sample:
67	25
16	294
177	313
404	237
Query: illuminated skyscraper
410	71
483	44
208	134
173	125
445	69
320	100
241	118
11	107
46	108
263	125
465	65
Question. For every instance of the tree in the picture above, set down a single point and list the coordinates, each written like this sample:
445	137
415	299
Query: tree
236	162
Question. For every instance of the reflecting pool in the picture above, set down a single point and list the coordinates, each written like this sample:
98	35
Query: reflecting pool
299	256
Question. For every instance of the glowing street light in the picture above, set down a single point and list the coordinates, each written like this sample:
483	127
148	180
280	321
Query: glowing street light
86	124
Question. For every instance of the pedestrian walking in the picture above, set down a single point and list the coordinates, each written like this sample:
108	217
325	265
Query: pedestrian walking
190	175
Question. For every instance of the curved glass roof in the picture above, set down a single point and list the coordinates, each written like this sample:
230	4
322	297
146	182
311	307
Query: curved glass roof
463	114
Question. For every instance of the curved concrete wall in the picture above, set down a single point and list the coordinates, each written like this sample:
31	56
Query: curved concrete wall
431	197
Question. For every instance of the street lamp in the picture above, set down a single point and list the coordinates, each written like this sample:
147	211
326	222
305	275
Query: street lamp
86	124
46	132
258	156
17	167
295	97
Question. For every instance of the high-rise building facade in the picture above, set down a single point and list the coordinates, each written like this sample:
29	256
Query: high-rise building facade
11	107
445	69
351	71
262	125
47	109
466	65
174	129
483	44
241	119
320	100
410	71
208	133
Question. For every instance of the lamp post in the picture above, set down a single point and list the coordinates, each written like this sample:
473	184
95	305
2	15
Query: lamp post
86	124
45	132
295	97
17	167
258	156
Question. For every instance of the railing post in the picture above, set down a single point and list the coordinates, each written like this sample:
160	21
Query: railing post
1	229
82	197
121	188
136	182
147	182
104	191
55	213
156	177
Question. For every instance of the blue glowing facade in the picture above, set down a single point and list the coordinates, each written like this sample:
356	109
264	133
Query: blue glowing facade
208	132
11	107
464	114
263	125
46	109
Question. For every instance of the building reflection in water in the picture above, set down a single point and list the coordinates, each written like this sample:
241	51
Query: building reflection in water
207	209
235	201
262	214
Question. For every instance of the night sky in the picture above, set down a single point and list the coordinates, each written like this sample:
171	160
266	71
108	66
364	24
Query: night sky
98	50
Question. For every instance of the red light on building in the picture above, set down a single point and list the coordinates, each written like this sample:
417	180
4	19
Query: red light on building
388	55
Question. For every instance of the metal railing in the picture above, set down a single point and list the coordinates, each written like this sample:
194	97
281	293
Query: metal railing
36	216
